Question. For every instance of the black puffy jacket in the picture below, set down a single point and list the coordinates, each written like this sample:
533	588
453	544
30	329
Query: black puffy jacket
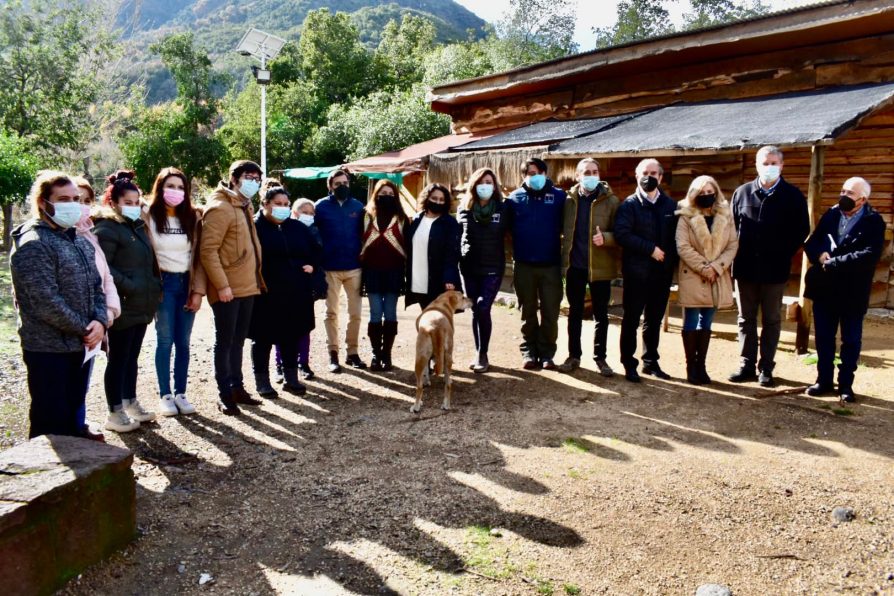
640	226
482	246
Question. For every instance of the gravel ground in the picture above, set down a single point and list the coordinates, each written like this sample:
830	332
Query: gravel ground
536	483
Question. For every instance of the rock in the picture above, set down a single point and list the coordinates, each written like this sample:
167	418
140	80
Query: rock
496	532
181	568
843	514
205	578
713	590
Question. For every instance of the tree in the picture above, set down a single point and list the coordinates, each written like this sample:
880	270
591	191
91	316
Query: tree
707	13
331	57
181	133
534	31
402	49
52	61
384	121
17	170
637	20
456	62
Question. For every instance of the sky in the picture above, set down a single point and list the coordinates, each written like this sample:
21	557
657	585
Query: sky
604	16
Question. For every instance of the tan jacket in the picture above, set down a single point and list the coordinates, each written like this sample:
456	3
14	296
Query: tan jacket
229	249
604	260
700	247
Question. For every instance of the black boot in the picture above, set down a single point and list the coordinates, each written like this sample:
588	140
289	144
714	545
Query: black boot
702	341
334	366
227	404
263	387
292	384
260	366
389	332
374	331
690	347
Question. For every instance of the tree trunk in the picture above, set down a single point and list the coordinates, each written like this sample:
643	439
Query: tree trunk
7	226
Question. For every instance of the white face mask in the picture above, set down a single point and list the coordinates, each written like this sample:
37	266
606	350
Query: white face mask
484	191
769	174
249	188
306	219
66	214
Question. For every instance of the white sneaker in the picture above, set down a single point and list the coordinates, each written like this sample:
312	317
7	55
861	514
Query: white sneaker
120	422
166	405
136	411
183	404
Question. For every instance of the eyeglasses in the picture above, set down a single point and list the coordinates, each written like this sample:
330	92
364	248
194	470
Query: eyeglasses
254	177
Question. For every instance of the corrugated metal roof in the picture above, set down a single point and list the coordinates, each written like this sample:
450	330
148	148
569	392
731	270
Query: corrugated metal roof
543	133
802	118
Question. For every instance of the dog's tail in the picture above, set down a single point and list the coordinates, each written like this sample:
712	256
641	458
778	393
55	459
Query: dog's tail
424	349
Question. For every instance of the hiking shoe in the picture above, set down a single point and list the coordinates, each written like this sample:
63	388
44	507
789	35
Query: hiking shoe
334	366
655	371
355	361
183	404
604	369
138	413
120	422
743	375
571	364
166	405
305	371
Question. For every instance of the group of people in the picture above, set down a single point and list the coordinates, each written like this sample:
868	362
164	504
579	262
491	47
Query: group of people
88	276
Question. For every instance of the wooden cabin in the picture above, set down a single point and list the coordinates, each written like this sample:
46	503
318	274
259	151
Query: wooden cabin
816	81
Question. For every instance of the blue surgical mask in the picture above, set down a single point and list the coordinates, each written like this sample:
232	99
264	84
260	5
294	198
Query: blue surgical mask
249	188
306	219
589	183
769	173
66	214
484	191
281	213
537	181
131	212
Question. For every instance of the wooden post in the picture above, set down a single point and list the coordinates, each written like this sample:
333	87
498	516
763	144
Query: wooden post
814	200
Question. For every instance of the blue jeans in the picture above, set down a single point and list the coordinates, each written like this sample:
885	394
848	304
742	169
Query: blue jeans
382	306
698	318
173	325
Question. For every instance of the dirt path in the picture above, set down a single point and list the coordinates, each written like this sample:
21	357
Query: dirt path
537	483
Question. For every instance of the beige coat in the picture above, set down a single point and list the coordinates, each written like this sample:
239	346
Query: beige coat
700	247
229	248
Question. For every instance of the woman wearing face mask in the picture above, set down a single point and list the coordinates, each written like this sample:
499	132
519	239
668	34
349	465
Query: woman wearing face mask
433	248
284	313
84	229
383	257
231	258
122	237
61	305
483	259
707	244
173	229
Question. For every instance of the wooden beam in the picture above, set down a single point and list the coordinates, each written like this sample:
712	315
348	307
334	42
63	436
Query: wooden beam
814	199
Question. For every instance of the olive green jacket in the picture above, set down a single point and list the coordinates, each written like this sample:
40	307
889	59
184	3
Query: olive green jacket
604	260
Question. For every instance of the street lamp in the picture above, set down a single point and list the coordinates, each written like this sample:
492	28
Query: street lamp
264	47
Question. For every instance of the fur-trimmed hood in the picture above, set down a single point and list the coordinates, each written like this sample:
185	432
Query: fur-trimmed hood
712	241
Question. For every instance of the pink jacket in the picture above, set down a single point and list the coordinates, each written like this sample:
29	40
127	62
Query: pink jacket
113	302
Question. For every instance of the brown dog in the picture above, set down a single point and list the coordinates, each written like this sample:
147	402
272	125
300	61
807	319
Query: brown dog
435	340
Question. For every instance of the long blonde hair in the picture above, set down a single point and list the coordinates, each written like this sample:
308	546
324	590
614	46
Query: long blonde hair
698	185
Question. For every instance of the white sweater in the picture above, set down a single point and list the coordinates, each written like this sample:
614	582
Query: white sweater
172	246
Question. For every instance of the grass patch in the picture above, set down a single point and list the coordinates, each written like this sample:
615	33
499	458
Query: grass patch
545	587
824	407
484	556
574	473
9	344
575	445
571	589
842	411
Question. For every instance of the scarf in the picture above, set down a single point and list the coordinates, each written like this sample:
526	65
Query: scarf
483	214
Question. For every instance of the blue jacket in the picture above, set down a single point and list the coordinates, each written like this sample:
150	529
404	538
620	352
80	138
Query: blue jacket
341	227
845	282
535	221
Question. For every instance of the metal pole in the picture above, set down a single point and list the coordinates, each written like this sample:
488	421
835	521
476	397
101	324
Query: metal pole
263	119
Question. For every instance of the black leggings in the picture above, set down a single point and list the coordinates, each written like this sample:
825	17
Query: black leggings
121	372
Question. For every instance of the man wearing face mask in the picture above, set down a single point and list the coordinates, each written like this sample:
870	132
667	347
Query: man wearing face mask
645	227
772	221
339	217
589	256
843	251
534	212
231	256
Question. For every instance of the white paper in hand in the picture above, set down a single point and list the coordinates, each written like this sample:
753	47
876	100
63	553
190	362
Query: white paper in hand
88	353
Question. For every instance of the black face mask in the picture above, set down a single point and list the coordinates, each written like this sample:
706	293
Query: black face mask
436	208
386	203
705	201
846	204
648	183
342	193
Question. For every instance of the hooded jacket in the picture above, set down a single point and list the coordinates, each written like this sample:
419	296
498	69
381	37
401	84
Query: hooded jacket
58	291
131	260
229	249
700	247
604	260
